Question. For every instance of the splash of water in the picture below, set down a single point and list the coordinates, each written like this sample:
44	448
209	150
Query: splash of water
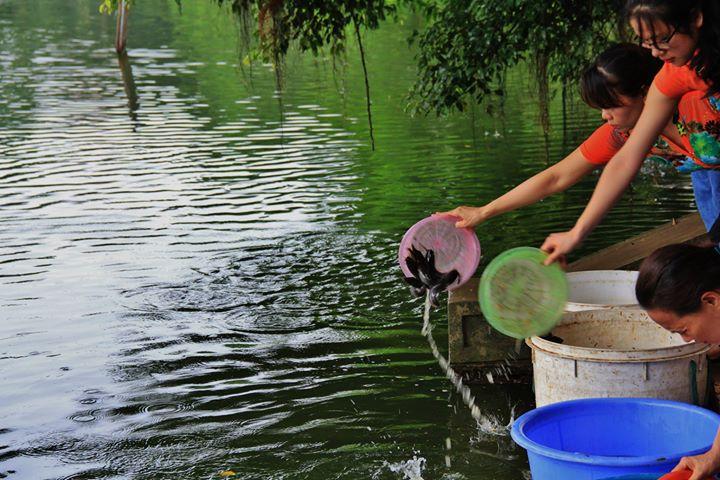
487	424
410	469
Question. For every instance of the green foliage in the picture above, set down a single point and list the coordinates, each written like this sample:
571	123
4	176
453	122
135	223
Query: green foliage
471	44
111	6
464	53
310	24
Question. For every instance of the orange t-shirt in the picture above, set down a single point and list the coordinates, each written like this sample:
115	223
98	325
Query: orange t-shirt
605	142
674	82
698	120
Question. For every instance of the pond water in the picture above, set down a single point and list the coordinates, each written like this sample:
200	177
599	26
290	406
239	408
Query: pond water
203	278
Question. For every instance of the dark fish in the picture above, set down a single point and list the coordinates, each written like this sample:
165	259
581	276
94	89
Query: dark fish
448	279
552	338
425	277
417	291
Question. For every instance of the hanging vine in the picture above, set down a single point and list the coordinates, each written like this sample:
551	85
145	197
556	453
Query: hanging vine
367	83
464	52
313	25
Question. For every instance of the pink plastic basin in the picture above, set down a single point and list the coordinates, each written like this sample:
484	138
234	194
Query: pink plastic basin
455	248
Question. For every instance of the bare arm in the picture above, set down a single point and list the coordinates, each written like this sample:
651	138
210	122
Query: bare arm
702	465
557	178
618	174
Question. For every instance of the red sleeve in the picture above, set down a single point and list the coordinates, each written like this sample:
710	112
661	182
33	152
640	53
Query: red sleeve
602	145
674	82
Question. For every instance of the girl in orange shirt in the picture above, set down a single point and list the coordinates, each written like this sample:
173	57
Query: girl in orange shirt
685	34
616	84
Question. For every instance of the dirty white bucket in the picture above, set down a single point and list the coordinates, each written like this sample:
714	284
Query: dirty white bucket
617	353
596	289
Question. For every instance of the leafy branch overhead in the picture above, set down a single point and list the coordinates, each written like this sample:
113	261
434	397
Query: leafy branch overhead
110	6
472	43
464	50
312	25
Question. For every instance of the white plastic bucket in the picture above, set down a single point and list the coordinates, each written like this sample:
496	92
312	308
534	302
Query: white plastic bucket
617	353
598	289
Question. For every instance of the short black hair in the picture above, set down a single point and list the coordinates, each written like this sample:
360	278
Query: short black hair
673	278
623	69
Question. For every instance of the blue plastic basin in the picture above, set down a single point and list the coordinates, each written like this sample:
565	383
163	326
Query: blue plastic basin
602	438
645	476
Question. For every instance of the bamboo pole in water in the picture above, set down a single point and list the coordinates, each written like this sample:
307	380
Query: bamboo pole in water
121	28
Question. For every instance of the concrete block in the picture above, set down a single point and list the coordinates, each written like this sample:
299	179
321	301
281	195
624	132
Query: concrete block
476	350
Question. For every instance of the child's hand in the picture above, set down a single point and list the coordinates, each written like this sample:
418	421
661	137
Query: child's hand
471	216
702	466
557	245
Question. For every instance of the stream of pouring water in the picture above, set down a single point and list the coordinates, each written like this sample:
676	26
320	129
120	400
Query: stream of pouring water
487	424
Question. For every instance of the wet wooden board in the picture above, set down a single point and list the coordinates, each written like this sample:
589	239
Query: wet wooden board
631	251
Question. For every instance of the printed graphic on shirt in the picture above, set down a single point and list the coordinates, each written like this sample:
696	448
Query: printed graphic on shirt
698	120
664	154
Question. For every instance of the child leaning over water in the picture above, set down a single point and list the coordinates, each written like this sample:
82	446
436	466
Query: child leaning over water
616	84
679	286
685	34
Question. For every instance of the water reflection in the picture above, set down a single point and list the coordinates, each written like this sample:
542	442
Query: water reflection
129	84
194	280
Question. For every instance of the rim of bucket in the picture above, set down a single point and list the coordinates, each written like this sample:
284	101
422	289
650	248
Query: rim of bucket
611	273
475	241
623	274
600	306
647	476
636	476
518	435
612	355
677	352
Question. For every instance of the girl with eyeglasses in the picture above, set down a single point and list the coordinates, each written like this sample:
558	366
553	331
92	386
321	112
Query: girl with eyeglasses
685	35
616	84
679	286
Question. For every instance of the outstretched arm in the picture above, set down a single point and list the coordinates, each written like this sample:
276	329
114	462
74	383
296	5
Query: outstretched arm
557	178
618	174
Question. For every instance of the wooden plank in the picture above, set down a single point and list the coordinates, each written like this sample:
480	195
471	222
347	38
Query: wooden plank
685	229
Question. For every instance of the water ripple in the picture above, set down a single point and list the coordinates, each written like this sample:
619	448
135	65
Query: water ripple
199	273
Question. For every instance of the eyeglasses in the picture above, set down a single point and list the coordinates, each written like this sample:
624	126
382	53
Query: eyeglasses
662	44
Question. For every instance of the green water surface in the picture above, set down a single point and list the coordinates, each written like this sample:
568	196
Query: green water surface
200	274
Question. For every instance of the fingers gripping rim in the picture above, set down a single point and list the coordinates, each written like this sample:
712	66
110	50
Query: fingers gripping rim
521	297
454	248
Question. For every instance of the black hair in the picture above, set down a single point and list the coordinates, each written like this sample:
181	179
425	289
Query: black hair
673	278
681	15
623	69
